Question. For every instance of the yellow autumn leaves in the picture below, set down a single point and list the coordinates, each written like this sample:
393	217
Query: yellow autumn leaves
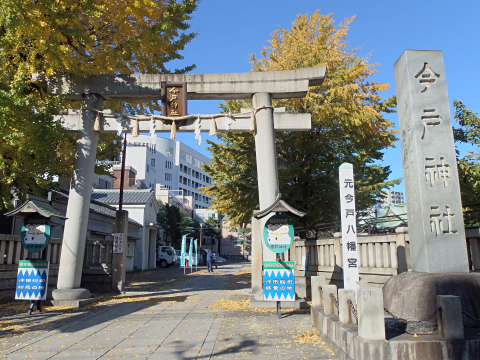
80	37
347	95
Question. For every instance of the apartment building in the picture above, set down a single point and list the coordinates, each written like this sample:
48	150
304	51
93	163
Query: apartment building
393	197
170	163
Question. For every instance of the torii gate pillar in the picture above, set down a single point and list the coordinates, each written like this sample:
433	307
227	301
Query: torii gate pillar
75	231
267	171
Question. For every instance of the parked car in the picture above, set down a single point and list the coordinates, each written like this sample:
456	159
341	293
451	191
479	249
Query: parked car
166	256
218	258
187	257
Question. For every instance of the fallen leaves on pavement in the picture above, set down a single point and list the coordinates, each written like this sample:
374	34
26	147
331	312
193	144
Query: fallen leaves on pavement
309	337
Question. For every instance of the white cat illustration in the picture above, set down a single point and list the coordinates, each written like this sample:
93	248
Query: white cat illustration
278	234
35	234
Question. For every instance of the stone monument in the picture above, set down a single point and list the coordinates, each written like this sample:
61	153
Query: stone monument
435	222
435	219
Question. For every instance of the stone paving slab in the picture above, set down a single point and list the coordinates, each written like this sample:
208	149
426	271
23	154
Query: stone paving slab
173	323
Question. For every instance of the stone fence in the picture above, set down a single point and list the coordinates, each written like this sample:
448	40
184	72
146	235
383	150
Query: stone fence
380	257
356	328
96	268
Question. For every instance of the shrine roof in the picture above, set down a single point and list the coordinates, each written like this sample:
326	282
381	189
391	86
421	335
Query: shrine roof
279	206
392	216
108	196
35	204
96	207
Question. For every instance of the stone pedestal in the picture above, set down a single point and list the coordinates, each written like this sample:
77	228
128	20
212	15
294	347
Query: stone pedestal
413	295
371	322
450	324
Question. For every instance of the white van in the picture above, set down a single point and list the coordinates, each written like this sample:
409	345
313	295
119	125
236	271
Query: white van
166	256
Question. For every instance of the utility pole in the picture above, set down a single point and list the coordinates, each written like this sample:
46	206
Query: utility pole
122	175
120	227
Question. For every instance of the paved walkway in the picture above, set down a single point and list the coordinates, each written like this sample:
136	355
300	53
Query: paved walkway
173	323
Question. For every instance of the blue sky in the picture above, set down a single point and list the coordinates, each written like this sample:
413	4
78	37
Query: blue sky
231	30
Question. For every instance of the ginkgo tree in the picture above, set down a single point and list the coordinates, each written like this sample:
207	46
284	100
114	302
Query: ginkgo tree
347	126
82	37
468	163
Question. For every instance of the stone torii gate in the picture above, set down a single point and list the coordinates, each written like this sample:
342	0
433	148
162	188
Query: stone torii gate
261	87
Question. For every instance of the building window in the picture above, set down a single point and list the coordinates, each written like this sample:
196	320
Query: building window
168	177
131	249
169	151
197	163
148	168
169	164
189	158
152	162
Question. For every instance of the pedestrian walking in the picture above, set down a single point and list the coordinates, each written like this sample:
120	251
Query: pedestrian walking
209	261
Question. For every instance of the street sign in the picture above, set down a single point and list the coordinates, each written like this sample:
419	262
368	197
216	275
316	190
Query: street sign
32	280
118	243
278	234
35	233
278	281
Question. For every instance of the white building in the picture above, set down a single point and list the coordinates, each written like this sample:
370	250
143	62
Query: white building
170	163
393	197
142	207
